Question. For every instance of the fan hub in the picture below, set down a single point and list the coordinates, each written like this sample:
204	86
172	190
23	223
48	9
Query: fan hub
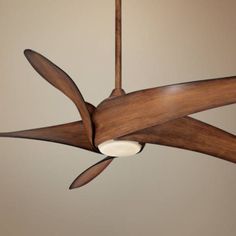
119	148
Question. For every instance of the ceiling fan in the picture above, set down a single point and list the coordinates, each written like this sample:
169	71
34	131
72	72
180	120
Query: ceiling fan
122	124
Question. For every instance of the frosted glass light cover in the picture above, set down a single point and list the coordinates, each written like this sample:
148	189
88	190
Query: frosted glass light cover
119	148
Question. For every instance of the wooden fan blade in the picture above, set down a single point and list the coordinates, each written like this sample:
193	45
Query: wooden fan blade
191	134
59	79
72	134
146	108
91	173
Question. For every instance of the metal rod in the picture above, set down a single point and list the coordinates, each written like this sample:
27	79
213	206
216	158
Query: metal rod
118	61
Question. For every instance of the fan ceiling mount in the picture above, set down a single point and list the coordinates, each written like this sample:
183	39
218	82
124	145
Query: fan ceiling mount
123	123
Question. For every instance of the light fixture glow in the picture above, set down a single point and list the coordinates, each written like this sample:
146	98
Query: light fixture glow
119	148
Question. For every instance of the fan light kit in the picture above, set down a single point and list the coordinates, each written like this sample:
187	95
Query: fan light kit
119	148
122	124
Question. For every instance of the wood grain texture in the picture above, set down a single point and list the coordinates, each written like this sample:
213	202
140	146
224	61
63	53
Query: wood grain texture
135	111
190	134
72	134
91	173
59	79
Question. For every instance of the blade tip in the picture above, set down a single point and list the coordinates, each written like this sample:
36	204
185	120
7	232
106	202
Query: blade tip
75	185
27	52
72	187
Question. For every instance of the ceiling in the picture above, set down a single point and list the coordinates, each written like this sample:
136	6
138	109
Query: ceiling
163	191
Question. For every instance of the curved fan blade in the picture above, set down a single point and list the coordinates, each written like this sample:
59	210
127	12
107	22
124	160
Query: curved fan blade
72	134
91	173
59	79
191	134
146	108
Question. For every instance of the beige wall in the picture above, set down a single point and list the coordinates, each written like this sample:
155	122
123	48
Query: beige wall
164	191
